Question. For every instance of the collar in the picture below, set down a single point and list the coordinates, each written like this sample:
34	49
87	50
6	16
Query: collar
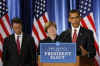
19	35
76	28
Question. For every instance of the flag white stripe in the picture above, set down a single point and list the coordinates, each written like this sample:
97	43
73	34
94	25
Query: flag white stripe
90	27
1	64
91	14
38	29
3	34
36	40
1	47
42	21
6	24
88	23
46	14
98	59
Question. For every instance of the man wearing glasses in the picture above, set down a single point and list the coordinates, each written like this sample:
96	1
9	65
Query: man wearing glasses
81	36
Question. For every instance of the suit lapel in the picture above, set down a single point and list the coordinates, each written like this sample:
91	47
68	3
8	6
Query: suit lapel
80	34
23	42
14	42
15	45
70	35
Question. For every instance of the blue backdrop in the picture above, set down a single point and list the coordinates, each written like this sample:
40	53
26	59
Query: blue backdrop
57	11
13	8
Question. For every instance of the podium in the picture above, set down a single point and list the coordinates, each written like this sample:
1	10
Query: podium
59	64
49	50
80	61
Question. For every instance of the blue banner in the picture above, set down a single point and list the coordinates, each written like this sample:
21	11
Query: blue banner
58	52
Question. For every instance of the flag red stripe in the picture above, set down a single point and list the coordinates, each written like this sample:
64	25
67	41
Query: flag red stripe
36	47
35	32
91	22
95	43
4	28
96	46
44	18
7	18
83	23
96	62
41	28
0	54
1	38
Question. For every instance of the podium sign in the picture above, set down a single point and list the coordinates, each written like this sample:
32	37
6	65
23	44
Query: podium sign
58	52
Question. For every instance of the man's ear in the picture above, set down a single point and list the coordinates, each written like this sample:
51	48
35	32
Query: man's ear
69	20
80	18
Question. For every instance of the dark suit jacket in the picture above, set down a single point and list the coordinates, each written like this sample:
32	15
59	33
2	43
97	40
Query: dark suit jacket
47	40
85	38
27	54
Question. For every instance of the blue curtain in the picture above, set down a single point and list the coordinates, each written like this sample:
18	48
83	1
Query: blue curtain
13	8
26	15
58	12
72	4
21	9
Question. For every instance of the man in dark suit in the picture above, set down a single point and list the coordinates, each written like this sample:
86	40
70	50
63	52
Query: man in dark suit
82	37
18	48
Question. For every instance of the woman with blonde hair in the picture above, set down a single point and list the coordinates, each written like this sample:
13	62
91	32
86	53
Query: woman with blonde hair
52	37
50	29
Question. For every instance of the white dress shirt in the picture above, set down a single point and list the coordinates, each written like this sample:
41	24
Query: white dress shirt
20	38
77	30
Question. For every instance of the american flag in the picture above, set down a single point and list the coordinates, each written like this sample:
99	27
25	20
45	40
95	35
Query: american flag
39	20
5	29
86	12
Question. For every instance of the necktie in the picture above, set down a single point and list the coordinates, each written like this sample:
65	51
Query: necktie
18	44
74	36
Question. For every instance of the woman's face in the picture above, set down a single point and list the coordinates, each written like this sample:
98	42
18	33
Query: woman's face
51	30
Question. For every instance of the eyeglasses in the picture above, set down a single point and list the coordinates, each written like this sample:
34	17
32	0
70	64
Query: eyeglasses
76	17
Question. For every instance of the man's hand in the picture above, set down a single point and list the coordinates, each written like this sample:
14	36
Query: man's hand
84	52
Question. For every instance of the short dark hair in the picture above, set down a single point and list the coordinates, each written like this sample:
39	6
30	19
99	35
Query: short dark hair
74	11
16	20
